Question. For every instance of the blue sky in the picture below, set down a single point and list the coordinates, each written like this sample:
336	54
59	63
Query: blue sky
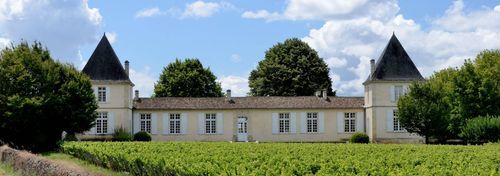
231	37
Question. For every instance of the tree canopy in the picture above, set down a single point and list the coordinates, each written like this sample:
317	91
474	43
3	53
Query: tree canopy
40	98
453	96
187	78
291	68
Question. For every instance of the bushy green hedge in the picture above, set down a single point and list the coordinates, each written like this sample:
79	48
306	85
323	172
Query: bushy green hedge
482	129
142	136
359	137
121	134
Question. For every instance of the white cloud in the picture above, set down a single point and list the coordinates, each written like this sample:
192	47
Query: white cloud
144	81
62	26
4	42
497	8
262	14
149	12
200	9
237	84
334	62
112	36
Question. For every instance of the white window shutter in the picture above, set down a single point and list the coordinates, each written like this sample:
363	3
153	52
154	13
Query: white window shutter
390	120
405	89
111	122
303	122
184	123
393	96
220	123
275	123
137	122
293	122
154	123
201	123
321	122
96	94
360	122
108	94
340	122
166	123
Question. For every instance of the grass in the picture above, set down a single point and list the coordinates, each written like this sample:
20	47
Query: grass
6	169
84	164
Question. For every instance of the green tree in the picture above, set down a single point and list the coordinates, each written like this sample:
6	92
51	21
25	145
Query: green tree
291	68
187	78
40	98
424	111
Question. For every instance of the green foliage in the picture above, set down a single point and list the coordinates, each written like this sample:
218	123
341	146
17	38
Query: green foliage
142	136
424	111
482	129
359	137
40	98
291	68
120	134
187	78
218	158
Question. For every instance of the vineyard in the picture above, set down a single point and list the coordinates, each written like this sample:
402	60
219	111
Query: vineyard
209	158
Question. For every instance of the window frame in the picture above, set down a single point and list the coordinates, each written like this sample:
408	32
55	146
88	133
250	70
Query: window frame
145	122
312	122
102	94
284	123
349	122
398	92
174	122
102	121
396	124
210	123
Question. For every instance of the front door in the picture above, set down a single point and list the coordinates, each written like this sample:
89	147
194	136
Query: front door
242	128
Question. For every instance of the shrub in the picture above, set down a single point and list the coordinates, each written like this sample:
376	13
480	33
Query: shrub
482	129
359	138
120	134
142	136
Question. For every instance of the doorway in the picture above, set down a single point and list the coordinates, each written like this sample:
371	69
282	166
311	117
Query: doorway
242	127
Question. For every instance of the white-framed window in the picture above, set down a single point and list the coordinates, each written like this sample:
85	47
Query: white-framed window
397	125
102	123
349	122
210	123
175	123
398	92
101	94
145	122
312	122
284	122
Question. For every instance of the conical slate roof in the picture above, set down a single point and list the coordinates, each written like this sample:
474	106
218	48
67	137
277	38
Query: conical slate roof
394	64
104	64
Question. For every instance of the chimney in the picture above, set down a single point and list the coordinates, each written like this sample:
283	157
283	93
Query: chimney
317	93
228	95
372	66
136	95
126	67
325	96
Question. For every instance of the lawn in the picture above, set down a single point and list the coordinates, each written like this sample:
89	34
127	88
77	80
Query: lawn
223	158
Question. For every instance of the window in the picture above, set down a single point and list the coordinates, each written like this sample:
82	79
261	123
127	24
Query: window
350	122
397	124
101	94
312	122
175	123
210	123
102	123
146	122
398	92
284	121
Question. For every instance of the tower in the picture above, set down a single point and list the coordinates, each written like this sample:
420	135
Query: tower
389	78
112	88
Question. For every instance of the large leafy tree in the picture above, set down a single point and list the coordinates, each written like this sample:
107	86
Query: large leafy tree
40	98
291	68
187	78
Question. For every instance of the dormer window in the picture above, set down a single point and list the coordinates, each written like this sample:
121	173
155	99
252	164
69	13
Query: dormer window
101	94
